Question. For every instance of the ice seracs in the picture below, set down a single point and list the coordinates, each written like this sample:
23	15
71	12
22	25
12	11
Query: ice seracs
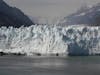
51	39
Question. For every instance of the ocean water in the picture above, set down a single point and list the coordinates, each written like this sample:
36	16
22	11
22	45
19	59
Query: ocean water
22	65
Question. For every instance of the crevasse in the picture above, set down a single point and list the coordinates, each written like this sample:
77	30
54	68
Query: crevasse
51	39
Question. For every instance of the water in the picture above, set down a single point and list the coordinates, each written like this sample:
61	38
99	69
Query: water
21	65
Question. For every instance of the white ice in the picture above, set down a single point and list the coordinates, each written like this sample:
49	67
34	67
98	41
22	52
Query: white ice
50	39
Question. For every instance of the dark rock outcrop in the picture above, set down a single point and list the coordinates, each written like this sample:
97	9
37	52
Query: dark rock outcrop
12	16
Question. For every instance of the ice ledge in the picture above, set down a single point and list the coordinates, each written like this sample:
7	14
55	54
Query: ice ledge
51	39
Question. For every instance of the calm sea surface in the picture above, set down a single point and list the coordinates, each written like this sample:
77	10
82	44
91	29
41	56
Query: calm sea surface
21	65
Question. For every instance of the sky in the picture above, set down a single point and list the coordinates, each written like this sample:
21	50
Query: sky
50	10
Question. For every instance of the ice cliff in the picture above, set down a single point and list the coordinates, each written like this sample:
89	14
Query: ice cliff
51	39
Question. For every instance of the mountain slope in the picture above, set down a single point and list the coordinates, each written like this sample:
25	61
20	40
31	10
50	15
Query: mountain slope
12	16
87	15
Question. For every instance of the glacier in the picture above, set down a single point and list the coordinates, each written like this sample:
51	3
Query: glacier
51	39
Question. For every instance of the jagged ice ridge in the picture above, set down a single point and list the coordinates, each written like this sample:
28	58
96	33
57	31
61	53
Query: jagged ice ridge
51	39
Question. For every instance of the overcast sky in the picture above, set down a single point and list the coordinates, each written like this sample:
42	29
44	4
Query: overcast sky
49	8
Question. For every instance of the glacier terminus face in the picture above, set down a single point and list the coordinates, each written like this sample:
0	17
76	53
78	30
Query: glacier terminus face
51	39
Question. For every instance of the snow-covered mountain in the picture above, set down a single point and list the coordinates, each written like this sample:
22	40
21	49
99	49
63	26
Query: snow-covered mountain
51	39
85	15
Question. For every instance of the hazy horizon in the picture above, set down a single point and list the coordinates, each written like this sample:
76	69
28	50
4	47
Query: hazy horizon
51	10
